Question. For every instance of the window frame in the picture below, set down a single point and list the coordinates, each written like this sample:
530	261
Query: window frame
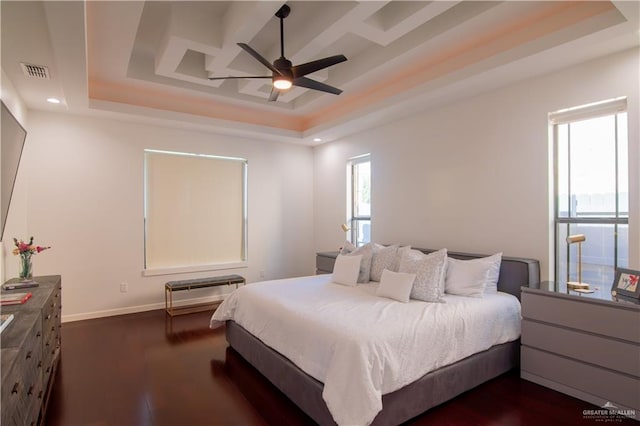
213	266
352	219
612	107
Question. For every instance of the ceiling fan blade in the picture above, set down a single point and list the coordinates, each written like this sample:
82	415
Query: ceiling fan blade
313	66
259	57
315	85
274	94
233	77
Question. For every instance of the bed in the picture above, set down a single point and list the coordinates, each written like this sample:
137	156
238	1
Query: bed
348	395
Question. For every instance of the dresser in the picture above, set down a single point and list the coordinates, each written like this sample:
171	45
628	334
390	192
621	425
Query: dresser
583	346
30	352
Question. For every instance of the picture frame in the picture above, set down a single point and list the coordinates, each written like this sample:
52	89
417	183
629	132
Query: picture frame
626	283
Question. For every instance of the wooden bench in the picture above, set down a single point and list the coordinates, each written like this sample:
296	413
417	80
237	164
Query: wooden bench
193	284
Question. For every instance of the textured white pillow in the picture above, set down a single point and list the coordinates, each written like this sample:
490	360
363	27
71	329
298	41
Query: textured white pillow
383	258
396	285
346	270
366	251
402	251
430	273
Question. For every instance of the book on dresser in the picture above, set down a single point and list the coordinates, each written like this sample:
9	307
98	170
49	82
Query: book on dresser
14	298
5	320
20	284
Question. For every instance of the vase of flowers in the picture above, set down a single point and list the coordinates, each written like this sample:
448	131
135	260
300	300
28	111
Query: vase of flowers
25	251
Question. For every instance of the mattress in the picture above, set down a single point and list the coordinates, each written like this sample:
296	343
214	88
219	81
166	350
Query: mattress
362	346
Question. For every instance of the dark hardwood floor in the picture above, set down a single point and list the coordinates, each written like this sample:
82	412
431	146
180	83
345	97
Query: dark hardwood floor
145	369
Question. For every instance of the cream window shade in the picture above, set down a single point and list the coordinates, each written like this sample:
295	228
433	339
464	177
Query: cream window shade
195	211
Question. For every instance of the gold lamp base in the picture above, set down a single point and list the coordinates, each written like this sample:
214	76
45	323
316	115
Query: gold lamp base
573	285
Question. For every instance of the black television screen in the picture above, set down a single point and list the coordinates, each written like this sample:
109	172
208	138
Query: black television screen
13	136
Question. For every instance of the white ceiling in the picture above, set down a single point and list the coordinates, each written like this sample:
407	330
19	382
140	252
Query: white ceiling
150	60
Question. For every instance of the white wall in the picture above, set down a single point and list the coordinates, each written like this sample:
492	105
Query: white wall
83	179
474	175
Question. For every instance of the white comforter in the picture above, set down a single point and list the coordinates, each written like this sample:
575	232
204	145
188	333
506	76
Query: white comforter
362	346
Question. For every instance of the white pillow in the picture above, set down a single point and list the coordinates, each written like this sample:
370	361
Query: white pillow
346	270
366	251
473	277
383	258
465	278
396	285
402	251
494	272
430	273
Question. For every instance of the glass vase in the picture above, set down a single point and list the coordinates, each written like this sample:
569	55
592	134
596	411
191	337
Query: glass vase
26	268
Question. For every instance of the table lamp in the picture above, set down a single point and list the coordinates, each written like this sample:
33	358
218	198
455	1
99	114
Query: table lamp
576	285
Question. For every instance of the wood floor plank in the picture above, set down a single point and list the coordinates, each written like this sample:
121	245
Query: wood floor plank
151	369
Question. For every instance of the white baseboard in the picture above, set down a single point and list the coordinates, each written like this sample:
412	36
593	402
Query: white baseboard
139	308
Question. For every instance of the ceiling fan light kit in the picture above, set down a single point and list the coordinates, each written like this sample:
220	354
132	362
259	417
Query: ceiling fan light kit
284	74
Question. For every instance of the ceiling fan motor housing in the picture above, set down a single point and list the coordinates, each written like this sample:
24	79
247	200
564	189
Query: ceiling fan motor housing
284	66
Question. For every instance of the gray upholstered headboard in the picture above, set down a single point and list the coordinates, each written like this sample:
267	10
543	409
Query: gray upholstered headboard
515	272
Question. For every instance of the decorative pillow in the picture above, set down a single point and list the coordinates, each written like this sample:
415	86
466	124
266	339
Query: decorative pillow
466	278
430	272
383	258
346	270
366	251
396	285
402	251
494	271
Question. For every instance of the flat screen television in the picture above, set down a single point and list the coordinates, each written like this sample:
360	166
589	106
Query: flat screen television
11	144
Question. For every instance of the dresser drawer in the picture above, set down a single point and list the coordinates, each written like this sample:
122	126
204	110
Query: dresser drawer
583	315
11	382
594	349
605	384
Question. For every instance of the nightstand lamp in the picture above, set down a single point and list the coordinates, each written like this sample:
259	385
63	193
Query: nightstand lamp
577	285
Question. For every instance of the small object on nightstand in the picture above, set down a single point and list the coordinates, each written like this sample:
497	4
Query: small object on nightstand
579	285
583	291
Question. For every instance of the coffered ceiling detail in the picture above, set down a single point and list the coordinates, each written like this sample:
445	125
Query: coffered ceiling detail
154	58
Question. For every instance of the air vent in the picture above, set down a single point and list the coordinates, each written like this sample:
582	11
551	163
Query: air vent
36	71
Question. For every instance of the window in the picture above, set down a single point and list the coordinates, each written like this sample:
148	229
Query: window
591	191
359	199
195	212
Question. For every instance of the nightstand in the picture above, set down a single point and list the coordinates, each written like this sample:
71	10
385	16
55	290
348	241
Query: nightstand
325	261
586	347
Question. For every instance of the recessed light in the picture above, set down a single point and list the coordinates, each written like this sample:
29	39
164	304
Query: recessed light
317	140
53	100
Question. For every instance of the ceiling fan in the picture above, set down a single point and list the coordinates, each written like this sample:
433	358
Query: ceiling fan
284	74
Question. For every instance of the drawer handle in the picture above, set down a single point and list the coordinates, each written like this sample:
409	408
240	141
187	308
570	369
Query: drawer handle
53	328
39	364
38	334
15	388
29	355
30	391
48	368
40	395
48	316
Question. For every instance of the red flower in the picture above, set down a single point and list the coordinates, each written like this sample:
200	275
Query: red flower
633	279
